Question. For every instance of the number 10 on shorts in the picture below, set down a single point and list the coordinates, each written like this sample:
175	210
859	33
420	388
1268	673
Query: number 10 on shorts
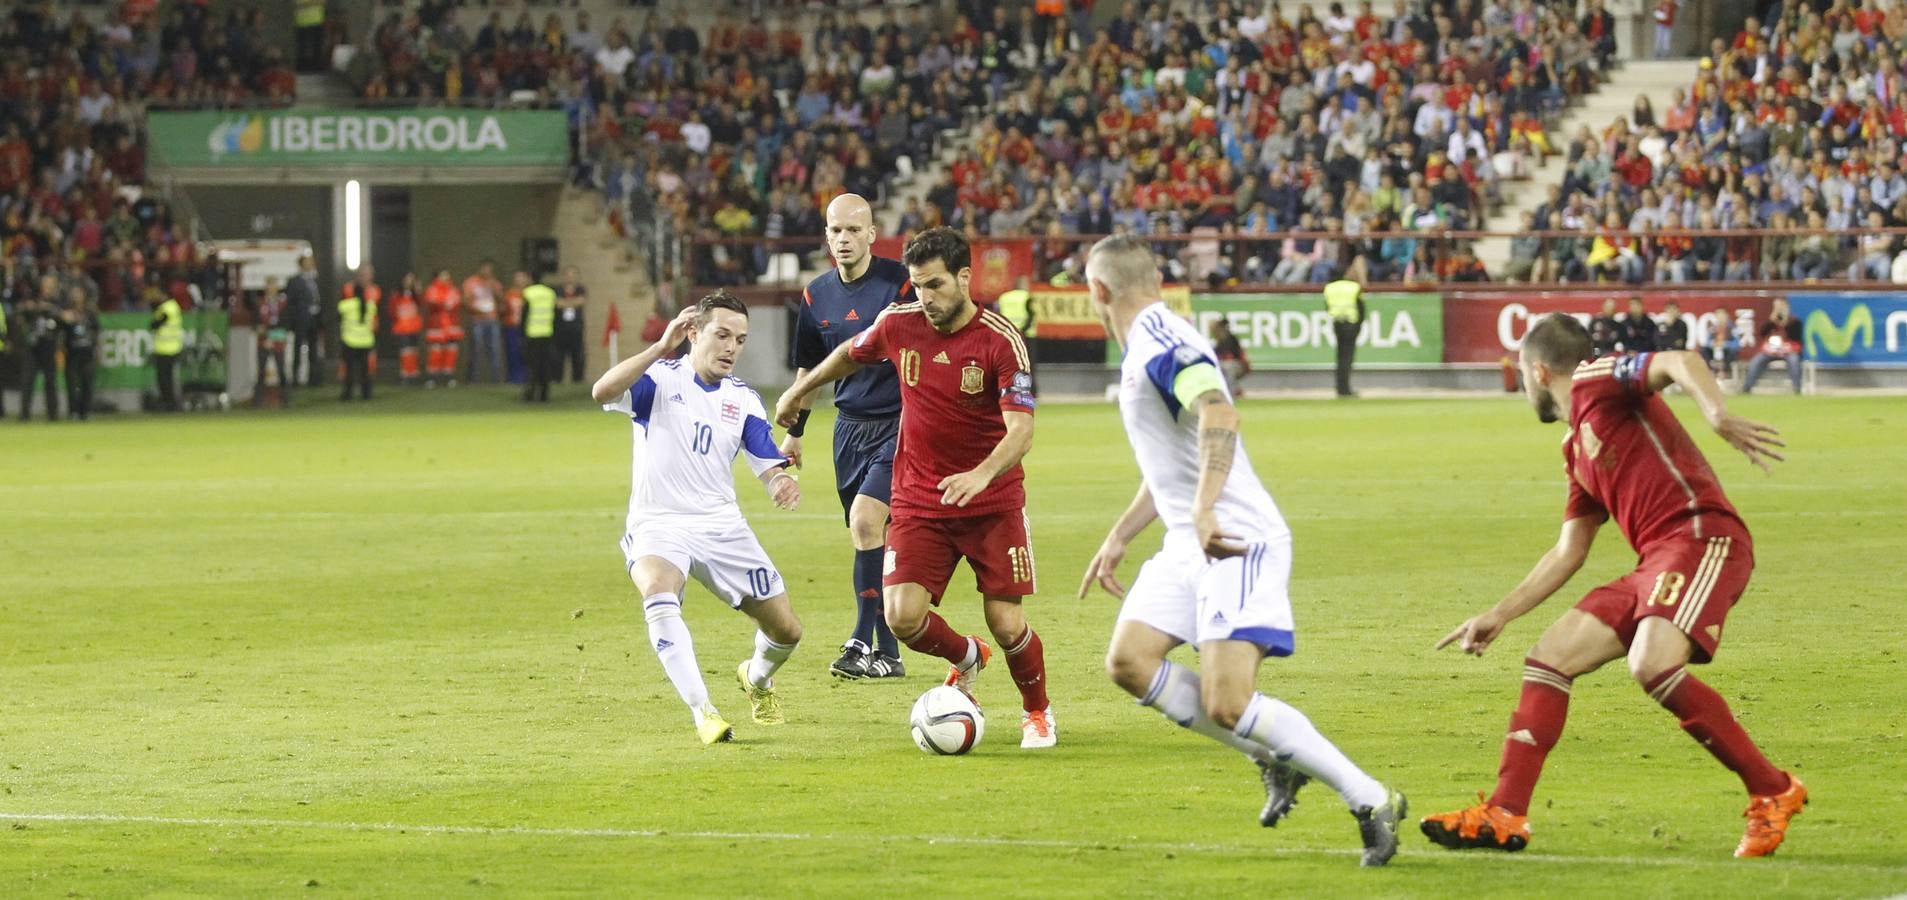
1021	561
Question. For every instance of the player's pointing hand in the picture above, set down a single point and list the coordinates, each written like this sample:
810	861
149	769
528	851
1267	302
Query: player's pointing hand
1755	440
1475	635
1104	569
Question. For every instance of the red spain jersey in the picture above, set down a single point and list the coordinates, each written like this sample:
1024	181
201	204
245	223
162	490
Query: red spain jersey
954	390
1629	459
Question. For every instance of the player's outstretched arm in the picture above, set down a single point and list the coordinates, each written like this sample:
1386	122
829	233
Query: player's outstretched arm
1104	567
1217	445
957	490
624	375
1759	442
1550	574
791	445
797	397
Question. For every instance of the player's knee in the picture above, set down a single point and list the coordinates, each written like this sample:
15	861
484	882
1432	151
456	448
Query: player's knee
1225	708
786	633
867	531
1130	671
903	621
1645	668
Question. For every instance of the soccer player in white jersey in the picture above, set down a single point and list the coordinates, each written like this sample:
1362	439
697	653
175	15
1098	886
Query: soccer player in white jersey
1219	581
691	418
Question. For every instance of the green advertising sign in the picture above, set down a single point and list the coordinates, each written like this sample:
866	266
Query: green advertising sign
359	137
125	343
1294	329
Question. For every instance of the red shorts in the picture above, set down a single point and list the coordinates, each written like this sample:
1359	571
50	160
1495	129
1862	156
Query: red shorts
1692	583
924	551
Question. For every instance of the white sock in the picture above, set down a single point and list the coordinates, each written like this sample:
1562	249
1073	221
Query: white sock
973	655
768	657
669	635
1175	694
1286	731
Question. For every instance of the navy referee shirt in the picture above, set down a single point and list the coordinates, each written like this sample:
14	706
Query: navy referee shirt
832	313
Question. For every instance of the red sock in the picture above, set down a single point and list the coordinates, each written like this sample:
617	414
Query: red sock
1534	729
1706	718
937	638
1026	659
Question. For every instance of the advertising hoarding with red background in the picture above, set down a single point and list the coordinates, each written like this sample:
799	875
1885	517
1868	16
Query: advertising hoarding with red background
1485	326
997	266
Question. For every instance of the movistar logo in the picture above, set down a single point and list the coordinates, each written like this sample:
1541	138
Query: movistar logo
1824	338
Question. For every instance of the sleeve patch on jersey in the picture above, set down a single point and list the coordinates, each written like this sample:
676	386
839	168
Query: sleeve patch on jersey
1194	380
1632	372
1163	371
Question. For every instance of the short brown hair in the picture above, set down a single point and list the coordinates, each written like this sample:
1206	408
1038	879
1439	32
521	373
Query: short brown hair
1559	340
942	243
705	308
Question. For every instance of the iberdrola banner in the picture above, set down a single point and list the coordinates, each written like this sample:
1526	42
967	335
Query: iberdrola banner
358	137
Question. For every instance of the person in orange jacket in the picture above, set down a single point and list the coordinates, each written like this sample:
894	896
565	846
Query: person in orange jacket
407	326
444	330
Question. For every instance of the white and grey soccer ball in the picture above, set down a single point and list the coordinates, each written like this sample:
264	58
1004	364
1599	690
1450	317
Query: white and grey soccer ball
946	722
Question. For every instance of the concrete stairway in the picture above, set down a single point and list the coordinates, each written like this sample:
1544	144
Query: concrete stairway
608	266
1617	98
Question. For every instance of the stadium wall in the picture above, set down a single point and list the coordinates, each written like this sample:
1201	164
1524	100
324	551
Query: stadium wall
1459	339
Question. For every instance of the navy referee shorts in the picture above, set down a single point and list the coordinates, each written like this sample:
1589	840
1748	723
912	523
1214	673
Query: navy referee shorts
864	458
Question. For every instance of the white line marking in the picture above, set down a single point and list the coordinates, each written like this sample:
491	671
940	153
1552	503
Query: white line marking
945	840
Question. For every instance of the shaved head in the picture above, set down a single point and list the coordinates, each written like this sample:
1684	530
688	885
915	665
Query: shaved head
1125	267
850	232
850	206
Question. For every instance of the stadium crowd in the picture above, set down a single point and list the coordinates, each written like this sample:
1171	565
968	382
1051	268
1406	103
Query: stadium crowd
742	129
1249	121
1794	122
72	159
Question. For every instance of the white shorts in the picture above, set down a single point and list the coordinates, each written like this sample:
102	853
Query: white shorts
726	559
1244	598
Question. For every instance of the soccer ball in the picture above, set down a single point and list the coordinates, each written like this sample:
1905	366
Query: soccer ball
946	722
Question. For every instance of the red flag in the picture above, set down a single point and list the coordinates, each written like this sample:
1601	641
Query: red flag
611	325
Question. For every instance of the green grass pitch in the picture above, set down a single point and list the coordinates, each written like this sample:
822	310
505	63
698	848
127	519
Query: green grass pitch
392	651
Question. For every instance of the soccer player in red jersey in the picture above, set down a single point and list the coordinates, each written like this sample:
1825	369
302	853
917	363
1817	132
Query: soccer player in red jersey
966	421
1626	457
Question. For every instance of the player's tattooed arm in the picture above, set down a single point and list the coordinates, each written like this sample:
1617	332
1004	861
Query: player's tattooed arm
1757	441
837	366
1217	444
624	375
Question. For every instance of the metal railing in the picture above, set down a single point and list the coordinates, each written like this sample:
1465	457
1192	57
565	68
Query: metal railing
1393	259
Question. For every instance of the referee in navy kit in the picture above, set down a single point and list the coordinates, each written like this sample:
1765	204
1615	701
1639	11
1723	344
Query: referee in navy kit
835	307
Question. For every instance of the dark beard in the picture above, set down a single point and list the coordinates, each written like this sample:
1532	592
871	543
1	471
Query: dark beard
1546	410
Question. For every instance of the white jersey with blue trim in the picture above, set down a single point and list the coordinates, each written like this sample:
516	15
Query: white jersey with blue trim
1165	436
687	435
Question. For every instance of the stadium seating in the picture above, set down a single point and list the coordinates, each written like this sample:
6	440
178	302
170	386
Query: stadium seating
737	128
72	160
1752	143
1241	123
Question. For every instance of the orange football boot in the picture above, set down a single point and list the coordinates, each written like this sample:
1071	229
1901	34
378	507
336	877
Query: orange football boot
1481	826
1768	819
